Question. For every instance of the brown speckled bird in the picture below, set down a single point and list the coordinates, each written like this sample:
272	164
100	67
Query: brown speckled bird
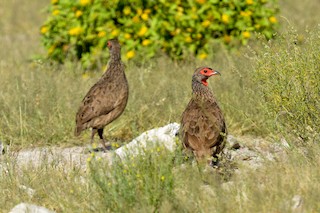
203	129
107	99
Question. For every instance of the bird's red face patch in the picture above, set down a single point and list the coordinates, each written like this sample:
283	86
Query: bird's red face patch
109	44
207	72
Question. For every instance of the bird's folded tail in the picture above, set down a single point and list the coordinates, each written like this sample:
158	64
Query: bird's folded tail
77	131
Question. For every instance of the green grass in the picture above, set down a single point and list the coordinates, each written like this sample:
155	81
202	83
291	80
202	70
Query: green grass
38	102
159	182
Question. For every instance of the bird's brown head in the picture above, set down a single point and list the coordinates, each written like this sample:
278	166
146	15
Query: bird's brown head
114	48
202	74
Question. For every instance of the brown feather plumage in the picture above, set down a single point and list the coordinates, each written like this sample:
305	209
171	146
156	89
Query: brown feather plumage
203	128
107	99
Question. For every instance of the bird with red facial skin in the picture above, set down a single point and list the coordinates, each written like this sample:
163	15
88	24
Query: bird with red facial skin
203	130
107	99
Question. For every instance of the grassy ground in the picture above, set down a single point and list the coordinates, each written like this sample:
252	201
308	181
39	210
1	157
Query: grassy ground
38	103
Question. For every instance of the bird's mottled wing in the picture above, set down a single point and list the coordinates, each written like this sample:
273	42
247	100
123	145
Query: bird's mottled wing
99	100
201	127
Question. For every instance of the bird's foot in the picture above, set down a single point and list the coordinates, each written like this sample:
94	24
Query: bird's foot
106	146
214	162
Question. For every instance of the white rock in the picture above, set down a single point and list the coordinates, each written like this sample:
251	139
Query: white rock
2	151
284	143
297	204
165	135
28	190
29	208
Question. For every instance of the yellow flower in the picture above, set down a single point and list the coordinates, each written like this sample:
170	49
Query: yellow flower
85	2
227	39
249	2
116	145
273	20
162	178
194	16
203	56
94	145
139	11
246	34
147	11
126	10
188	39
142	31
78	13
56	12
101	34
201	1
51	49
65	48
180	9
245	14
44	29
135	19
178	15
86	76
130	54
54	1
225	18
115	32
205	23
146	42
199	35
145	16
75	31
127	36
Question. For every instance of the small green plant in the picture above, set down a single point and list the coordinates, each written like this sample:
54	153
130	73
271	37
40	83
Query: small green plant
289	80
145	179
80	29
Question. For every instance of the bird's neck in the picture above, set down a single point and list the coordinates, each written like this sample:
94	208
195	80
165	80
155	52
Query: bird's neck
114	68
201	92
115	57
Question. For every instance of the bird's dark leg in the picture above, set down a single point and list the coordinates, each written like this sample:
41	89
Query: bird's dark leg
215	161
94	131
103	141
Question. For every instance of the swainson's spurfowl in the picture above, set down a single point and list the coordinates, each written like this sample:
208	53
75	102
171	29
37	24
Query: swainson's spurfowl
107	99
203	129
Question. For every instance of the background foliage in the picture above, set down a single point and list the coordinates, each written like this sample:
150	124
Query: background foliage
288	77
80	29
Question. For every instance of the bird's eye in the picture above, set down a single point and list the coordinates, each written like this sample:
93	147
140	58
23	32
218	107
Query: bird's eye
205	71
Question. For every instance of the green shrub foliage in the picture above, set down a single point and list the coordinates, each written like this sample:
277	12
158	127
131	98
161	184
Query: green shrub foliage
288	77
79	29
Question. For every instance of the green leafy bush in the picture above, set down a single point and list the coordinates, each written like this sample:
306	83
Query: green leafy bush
80	29
288	76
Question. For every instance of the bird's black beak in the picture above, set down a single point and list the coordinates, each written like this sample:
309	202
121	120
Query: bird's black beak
216	73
